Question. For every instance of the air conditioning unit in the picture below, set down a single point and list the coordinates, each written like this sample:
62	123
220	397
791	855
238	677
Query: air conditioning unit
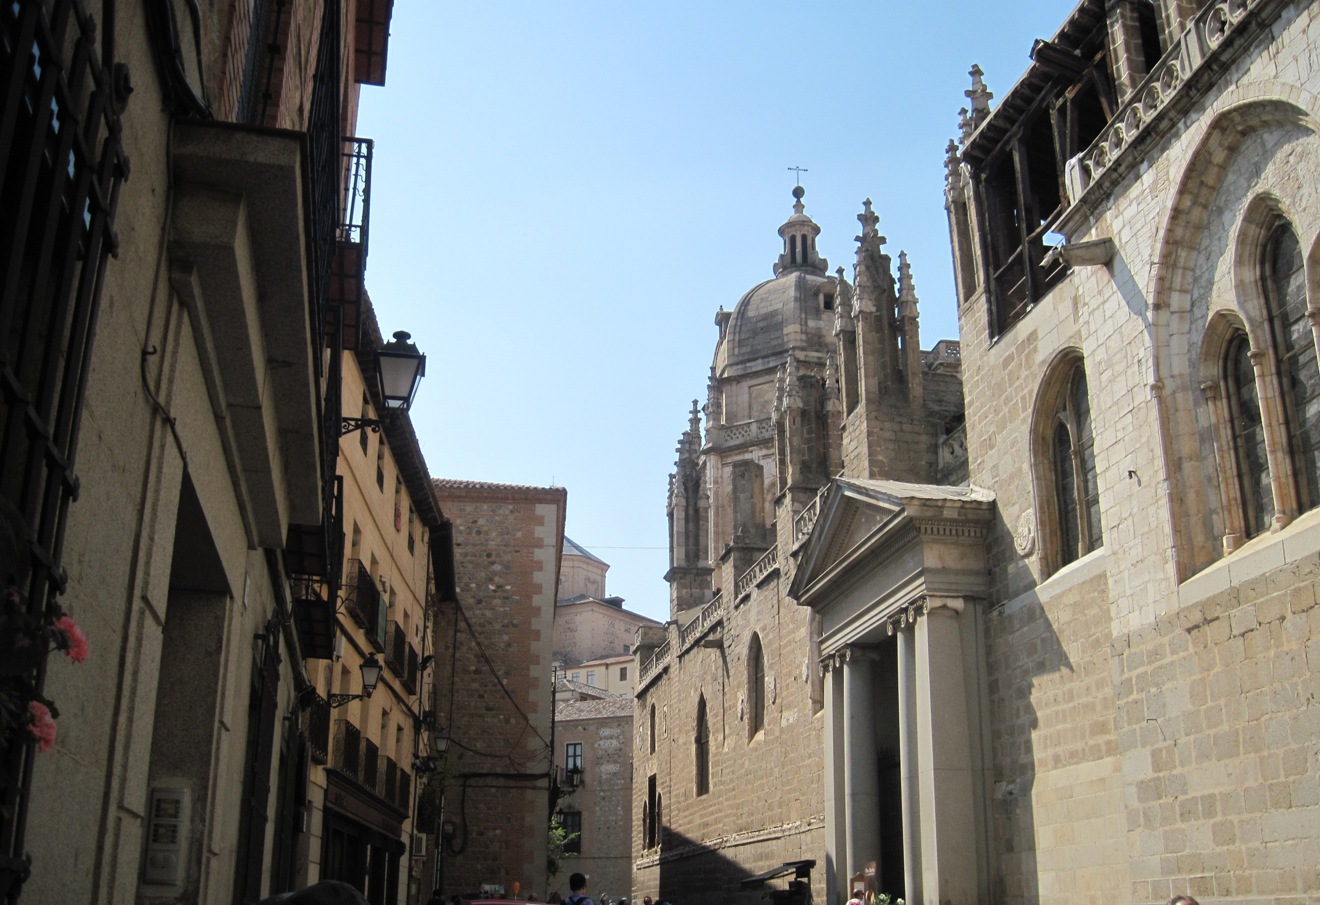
419	845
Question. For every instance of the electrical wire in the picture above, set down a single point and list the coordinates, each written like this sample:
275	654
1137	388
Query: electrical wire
499	680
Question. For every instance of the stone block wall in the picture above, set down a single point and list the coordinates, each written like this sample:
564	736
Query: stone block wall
1153	706
766	800
1218	721
1058	815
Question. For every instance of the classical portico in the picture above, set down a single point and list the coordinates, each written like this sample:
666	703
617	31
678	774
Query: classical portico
897	573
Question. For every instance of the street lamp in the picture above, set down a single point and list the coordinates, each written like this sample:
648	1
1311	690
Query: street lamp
430	763
399	371
370	676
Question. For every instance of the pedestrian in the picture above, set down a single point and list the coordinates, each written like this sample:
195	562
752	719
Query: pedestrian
436	898
577	885
1183	900
555	898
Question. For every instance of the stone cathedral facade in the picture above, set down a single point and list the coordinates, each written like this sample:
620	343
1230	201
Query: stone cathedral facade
813	377
1081	664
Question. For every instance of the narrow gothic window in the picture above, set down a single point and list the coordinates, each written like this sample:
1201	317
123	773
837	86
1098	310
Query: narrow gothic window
702	748
1070	453
1294	346
755	687
1067	493
652	728
1249	459
792	250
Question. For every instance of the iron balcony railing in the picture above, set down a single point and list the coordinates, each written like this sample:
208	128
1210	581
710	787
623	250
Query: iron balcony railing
347	751
355	223
316	724
370	765
61	168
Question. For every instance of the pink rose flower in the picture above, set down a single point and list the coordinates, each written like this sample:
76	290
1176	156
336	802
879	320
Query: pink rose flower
75	641
42	726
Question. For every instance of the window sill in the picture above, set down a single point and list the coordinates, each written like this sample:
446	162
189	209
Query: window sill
1256	557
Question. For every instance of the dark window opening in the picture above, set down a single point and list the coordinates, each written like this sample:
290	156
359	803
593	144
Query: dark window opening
1294	345
755	687
702	748
1150	34
827	300
1253	471
571	821
650	813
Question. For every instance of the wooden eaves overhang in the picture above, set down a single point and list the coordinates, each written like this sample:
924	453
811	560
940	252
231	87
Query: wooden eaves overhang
1036	86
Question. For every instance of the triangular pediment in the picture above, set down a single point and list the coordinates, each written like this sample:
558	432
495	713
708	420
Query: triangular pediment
856	515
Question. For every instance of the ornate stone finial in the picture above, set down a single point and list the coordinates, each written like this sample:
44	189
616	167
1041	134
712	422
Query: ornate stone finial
798	192
778	408
965	126
907	293
979	95
831	379
694	419
952	167
714	404
870	237
792	389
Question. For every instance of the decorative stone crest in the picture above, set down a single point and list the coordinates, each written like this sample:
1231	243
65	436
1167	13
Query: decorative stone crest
1024	534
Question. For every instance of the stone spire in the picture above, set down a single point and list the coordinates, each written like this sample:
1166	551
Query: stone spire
777	410
792	388
979	95
907	293
799	233
953	178
910	332
869	244
843	304
714	409
965	126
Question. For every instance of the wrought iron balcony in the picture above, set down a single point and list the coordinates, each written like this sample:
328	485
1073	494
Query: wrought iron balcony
316	723
347	751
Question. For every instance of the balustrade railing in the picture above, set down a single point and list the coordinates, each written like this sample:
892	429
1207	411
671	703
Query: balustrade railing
1211	28
709	615
806	519
653	665
759	570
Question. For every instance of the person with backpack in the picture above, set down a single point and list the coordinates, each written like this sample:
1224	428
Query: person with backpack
577	885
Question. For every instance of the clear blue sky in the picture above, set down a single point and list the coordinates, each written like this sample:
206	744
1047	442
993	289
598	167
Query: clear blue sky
564	193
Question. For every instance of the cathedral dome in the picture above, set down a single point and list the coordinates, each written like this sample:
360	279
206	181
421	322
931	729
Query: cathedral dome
794	310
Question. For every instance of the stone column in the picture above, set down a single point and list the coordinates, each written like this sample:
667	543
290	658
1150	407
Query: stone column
907	761
836	840
945	757
862	778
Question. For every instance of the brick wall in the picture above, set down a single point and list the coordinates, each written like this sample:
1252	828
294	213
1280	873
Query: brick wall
497	663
